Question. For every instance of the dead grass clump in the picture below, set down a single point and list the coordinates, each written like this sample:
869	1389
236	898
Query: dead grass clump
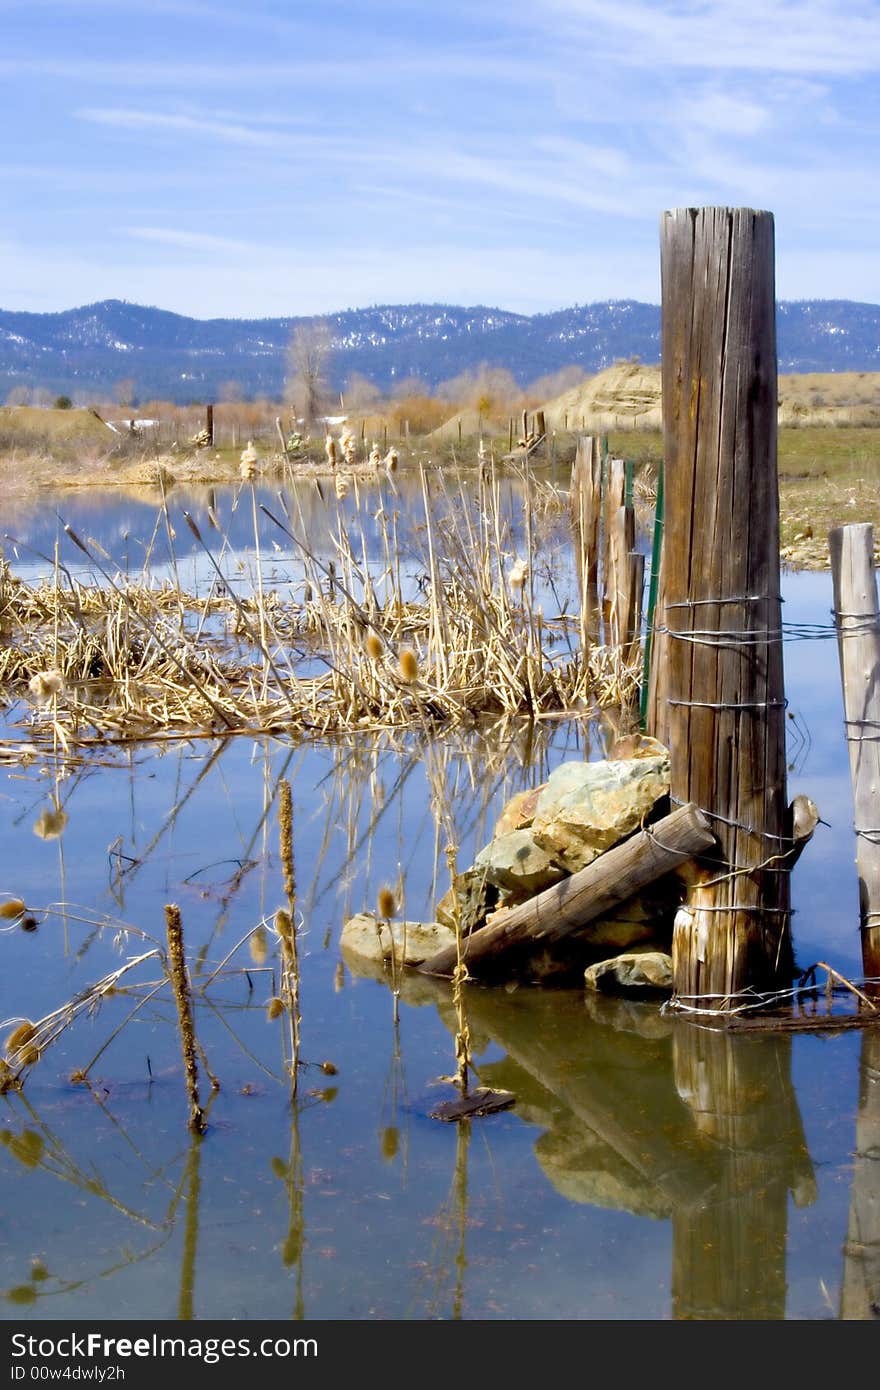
119	659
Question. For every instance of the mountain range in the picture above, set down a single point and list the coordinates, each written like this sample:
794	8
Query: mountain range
86	352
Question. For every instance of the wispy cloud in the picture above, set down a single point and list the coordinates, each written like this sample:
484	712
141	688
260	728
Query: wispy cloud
786	36
195	241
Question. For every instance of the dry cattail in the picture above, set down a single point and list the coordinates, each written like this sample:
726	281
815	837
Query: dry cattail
374	649
13	907
19	1037
392	458
46	684
341	486
386	902
375	455
409	664
330	450
275	1008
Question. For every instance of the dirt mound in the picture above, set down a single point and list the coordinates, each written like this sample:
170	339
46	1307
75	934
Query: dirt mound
628	396
471	421
623	397
74	425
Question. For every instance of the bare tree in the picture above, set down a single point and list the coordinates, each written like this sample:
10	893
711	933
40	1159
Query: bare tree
307	356
360	393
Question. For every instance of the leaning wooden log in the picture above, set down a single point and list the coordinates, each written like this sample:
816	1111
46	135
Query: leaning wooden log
589	894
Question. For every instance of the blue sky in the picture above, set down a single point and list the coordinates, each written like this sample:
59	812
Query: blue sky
295	158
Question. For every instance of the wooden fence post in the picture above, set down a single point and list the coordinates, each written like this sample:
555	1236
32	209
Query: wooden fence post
209	424
858	637
585	502
717	697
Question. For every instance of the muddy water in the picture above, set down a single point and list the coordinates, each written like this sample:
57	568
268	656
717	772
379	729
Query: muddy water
648	1170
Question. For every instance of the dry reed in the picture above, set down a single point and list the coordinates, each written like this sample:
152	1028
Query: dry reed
114	661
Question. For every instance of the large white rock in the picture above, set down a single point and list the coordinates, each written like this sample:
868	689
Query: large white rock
631	972
585	808
371	939
518	866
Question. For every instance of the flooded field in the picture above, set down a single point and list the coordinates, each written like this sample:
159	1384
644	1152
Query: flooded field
649	1168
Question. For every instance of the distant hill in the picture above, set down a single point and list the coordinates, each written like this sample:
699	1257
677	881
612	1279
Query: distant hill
86	351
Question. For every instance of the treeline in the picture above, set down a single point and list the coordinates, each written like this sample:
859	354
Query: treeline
491	393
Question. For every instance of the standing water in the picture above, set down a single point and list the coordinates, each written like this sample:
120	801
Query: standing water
649	1168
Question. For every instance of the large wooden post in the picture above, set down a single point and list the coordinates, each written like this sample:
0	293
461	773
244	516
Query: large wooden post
717	695
858	632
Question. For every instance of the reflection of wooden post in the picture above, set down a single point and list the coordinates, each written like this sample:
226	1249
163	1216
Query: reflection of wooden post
858	633
717	697
860	1293
728	1254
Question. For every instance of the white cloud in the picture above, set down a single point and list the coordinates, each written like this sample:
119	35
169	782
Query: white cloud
786	36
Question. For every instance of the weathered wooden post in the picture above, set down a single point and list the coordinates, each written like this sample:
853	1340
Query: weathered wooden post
858	635
585	503
209	424
717	697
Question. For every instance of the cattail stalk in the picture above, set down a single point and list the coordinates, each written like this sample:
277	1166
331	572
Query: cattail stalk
459	975
285	925
183	999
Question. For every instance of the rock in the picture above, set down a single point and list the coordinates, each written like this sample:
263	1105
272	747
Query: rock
519	812
518	866
476	899
365	937
632	971
585	808
636	746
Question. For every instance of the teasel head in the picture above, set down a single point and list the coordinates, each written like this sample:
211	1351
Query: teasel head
409	665
50	823
284	924
259	945
518	574
248	465
45	685
386	902
275	1008
20	1036
374	645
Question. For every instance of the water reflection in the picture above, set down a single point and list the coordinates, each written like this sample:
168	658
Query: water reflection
648	1169
860	1290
